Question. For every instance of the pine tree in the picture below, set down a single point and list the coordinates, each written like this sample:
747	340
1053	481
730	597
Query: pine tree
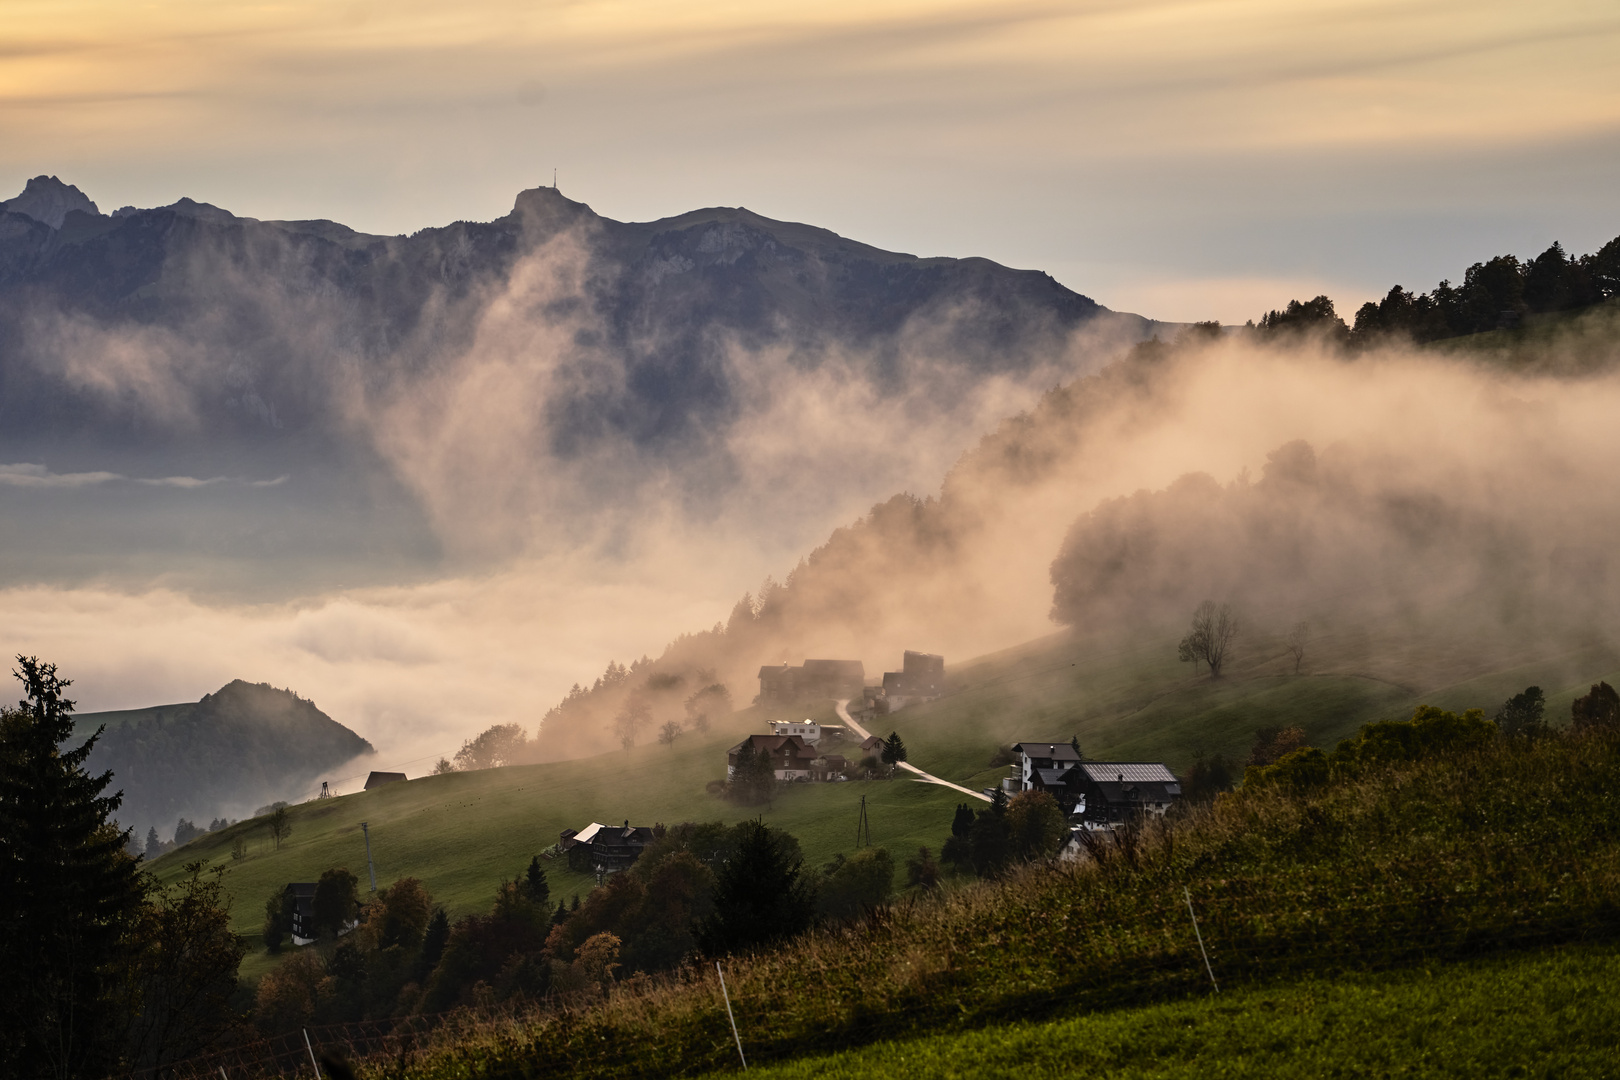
68	889
535	882
761	894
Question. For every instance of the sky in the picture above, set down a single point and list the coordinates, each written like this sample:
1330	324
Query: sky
1184	160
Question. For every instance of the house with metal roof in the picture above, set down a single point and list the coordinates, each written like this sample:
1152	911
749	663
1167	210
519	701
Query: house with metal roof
1108	793
606	849
1096	794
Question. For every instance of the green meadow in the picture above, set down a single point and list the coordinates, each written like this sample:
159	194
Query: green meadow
1125	697
1545	1014
463	833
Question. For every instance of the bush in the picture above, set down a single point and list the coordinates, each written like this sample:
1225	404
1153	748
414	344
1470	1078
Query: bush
1036	828
852	887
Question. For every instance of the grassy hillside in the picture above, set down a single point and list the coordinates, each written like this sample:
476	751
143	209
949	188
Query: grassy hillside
463	833
1465	854
1128	699
1546	1014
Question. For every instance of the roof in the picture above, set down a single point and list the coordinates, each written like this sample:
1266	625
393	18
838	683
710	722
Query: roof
1131	772
377	779
584	835
871	742
1051	777
1057	751
793	746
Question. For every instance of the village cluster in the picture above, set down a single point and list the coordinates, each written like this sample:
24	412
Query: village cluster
1094	795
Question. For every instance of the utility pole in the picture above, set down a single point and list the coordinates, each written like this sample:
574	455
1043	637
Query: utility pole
369	865
863	828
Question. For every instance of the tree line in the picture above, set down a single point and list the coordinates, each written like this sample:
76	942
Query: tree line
105	968
1494	294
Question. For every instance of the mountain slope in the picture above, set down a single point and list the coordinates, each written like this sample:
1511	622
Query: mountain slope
243	745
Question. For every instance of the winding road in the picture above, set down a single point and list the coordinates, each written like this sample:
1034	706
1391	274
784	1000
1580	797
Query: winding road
922	777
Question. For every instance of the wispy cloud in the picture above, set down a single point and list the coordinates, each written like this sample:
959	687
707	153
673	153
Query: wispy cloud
28	475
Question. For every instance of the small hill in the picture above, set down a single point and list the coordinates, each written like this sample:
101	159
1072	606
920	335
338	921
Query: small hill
241	746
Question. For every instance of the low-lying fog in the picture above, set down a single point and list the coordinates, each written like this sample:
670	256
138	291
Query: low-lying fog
470	579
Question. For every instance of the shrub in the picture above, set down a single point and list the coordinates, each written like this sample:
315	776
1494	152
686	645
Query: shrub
852	887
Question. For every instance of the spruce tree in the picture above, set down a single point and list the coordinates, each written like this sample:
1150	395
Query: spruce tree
535	880
68	890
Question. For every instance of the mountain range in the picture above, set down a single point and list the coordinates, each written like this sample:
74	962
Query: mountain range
350	408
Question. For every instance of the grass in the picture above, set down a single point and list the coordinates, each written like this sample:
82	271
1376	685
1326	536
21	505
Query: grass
1125	696
1550	1013
463	833
1452	859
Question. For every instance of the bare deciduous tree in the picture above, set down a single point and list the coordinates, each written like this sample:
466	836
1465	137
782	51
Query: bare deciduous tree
628	724
1213	628
280	825
1296	639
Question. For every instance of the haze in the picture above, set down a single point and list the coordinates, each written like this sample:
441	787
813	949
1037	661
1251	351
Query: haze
1185	161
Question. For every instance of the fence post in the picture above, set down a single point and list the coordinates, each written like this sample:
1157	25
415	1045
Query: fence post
1199	934
729	1015
313	1063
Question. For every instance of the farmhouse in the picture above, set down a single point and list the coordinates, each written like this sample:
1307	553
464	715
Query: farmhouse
814	680
302	894
790	758
921	678
1100	794
607	849
1052	759
378	779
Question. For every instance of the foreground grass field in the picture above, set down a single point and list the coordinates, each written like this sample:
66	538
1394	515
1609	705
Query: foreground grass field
1459	857
1552	1013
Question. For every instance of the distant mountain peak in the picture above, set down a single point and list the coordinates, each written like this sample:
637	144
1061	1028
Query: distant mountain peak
47	199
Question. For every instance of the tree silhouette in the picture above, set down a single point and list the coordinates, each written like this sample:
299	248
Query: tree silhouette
1213	629
760	892
894	750
69	892
280	825
1298	635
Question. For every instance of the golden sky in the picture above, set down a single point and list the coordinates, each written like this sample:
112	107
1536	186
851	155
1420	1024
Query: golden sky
1184	159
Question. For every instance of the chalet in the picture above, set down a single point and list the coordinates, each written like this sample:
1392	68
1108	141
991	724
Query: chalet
871	746
607	849
1109	792
378	779
816	679
1041	765
790	758
1100	794
300	897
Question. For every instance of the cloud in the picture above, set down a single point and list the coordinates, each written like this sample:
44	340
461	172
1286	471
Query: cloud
26	475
